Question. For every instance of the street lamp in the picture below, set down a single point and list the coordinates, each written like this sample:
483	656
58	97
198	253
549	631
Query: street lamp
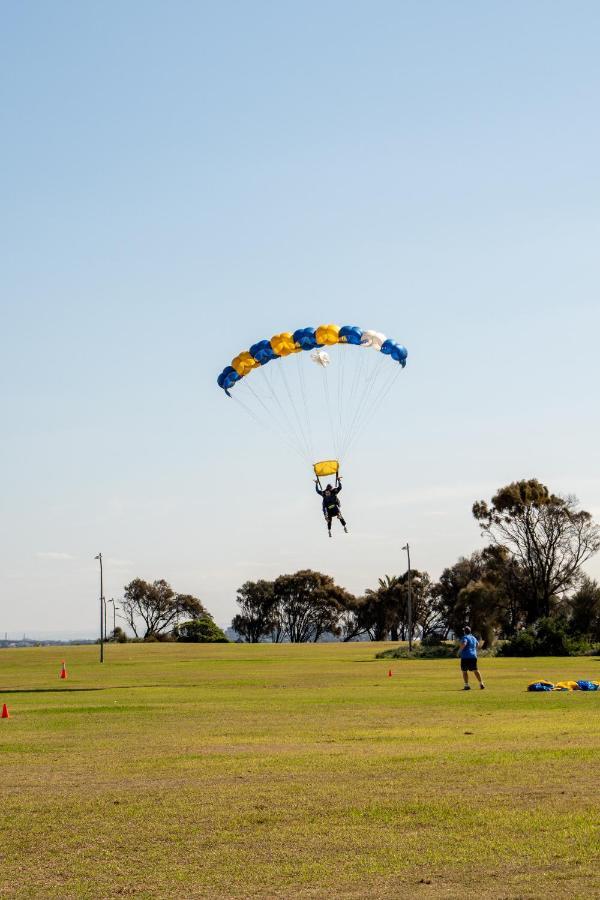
102	609
115	608
407	548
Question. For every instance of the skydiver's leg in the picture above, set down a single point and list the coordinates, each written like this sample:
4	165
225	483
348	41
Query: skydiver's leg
343	522
329	524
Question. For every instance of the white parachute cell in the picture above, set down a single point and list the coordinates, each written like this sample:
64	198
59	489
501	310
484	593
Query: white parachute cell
374	339
320	357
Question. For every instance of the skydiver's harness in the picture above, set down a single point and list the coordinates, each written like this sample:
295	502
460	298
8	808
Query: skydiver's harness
331	504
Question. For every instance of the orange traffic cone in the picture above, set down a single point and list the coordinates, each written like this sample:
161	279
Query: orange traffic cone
5	714
389	673
63	671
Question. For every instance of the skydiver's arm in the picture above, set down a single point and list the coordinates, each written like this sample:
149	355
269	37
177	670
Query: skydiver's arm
317	489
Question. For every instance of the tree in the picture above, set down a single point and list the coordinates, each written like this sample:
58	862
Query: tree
487	591
550	537
478	603
258	615
200	631
309	604
157	606
423	611
383	611
584	607
447	591
351	623
506	574
379	612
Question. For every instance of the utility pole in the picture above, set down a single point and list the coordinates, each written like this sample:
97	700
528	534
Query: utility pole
407	548
115	608
102	608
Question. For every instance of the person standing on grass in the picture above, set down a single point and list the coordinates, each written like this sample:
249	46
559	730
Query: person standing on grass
468	658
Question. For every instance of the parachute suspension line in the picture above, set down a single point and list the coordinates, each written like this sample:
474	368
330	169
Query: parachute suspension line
367	406
266	425
341	382
374	370
301	379
381	397
353	391
334	442
359	388
305	435
300	437
388	385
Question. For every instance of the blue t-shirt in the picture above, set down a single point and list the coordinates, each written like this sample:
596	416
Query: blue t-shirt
470	651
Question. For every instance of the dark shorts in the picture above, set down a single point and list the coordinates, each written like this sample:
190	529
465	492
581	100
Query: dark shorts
468	665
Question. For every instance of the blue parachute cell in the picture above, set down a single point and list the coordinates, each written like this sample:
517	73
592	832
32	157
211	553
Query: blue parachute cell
263	352
305	338
350	334
587	685
400	355
395	350
227	378
540	686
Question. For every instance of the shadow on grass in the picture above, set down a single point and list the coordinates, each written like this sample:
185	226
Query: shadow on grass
69	690
73	690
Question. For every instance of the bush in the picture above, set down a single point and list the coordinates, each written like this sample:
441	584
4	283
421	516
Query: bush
118	636
200	631
435	639
420	651
546	637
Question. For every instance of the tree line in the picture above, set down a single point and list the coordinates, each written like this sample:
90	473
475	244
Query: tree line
154	611
527	586
531	571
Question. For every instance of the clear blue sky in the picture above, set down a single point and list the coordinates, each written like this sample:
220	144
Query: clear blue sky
181	179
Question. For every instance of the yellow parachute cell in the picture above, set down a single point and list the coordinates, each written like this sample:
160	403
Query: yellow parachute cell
327	334
244	363
326	467
283	344
566	686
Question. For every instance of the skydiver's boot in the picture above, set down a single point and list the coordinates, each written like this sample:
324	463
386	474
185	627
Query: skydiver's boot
346	529
329	532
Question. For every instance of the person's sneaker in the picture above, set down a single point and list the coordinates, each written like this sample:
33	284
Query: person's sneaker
467	687
345	529
329	533
482	687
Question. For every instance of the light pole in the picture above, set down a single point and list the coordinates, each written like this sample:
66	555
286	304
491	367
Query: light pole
407	548
102	609
115	608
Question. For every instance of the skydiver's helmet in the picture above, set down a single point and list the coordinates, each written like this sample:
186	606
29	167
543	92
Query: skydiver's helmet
329	487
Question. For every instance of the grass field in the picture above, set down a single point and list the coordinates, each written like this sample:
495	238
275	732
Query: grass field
294	771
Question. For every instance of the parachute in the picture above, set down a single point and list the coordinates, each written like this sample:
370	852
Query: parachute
317	388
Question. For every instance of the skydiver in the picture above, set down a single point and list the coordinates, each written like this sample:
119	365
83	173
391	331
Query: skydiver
331	504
